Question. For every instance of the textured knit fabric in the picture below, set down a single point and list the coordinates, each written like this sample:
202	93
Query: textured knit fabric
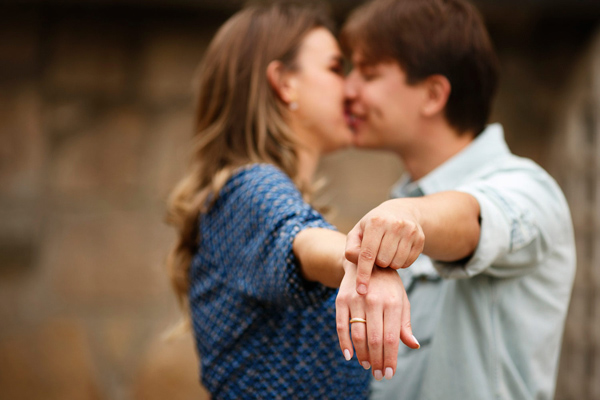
262	331
490	327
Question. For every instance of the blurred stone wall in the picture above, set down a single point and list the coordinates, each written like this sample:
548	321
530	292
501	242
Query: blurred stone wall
576	165
95	111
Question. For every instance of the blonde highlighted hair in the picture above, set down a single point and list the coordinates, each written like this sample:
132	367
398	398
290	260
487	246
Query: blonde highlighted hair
239	118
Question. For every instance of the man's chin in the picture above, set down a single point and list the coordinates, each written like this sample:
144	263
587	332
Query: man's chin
362	142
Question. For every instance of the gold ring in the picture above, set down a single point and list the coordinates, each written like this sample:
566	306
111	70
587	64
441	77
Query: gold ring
353	320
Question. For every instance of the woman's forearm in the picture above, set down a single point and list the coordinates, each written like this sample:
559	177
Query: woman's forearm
320	253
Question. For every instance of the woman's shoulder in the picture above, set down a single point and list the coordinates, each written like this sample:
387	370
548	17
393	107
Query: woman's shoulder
259	171
260	178
258	185
260	192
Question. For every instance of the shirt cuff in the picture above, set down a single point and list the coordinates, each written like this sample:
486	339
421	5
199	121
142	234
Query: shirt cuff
494	239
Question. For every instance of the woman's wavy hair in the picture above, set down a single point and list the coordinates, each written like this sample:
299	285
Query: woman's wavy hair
240	119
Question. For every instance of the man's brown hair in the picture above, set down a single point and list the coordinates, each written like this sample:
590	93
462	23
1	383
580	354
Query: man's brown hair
429	37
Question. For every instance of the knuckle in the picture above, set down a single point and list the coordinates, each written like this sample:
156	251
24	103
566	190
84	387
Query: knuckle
414	228
367	255
341	299
341	327
358	336
355	300
363	275
390	339
392	301
396	226
375	340
372	300
382	261
377	220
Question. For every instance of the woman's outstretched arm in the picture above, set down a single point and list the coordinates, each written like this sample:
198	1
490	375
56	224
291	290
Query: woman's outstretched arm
320	253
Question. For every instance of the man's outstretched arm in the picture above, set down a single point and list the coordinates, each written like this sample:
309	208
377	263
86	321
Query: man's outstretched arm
444	226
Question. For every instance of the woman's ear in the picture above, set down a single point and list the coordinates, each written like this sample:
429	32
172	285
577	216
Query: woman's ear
438	90
282	81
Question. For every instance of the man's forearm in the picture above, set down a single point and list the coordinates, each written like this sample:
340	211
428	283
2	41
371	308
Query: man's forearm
450	223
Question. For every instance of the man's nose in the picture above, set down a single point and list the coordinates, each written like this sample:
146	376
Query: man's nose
350	91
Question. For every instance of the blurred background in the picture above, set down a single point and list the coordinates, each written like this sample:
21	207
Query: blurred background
95	113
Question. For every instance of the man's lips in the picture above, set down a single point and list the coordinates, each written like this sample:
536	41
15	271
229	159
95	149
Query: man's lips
352	120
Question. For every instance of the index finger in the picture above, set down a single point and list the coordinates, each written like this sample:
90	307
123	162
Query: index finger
369	247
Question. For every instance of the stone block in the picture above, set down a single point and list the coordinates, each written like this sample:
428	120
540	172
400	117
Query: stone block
49	361
169	60
19	45
68	117
168	151
102	158
23	145
87	57
20	227
119	341
170	371
114	258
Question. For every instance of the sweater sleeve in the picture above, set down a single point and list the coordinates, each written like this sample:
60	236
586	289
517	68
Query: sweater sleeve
249	234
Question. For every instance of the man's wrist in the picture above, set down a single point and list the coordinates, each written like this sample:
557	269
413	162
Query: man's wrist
347	264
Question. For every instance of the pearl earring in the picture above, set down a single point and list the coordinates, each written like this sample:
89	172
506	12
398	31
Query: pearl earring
293	105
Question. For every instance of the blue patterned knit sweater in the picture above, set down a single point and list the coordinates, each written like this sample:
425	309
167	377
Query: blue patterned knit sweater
261	330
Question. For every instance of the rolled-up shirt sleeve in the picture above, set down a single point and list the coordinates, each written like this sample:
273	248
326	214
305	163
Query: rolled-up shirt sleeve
521	215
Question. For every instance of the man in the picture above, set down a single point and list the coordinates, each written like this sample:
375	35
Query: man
489	299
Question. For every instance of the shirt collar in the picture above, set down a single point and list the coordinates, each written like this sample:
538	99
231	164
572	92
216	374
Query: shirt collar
486	147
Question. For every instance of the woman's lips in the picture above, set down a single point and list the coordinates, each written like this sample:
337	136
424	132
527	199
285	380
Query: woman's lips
351	120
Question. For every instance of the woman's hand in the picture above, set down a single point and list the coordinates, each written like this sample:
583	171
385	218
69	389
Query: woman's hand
387	313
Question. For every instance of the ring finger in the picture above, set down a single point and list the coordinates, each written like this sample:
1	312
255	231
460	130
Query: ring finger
358	332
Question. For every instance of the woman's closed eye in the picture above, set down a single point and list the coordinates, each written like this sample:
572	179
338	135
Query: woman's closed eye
338	69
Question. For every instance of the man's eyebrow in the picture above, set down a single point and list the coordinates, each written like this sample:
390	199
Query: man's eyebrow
362	64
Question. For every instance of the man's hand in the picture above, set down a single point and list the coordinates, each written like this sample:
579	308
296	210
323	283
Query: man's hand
386	311
388	236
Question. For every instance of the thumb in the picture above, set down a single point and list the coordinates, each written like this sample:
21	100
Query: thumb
353	242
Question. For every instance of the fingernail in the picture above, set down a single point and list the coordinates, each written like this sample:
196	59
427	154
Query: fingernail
389	373
378	375
347	355
418	345
362	289
365	365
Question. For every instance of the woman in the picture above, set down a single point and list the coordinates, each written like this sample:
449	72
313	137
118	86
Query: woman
252	258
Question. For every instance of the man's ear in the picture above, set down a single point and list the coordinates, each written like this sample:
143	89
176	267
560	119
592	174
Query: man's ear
282	81
438	90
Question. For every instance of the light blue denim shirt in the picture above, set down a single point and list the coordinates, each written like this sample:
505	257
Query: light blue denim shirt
490	327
